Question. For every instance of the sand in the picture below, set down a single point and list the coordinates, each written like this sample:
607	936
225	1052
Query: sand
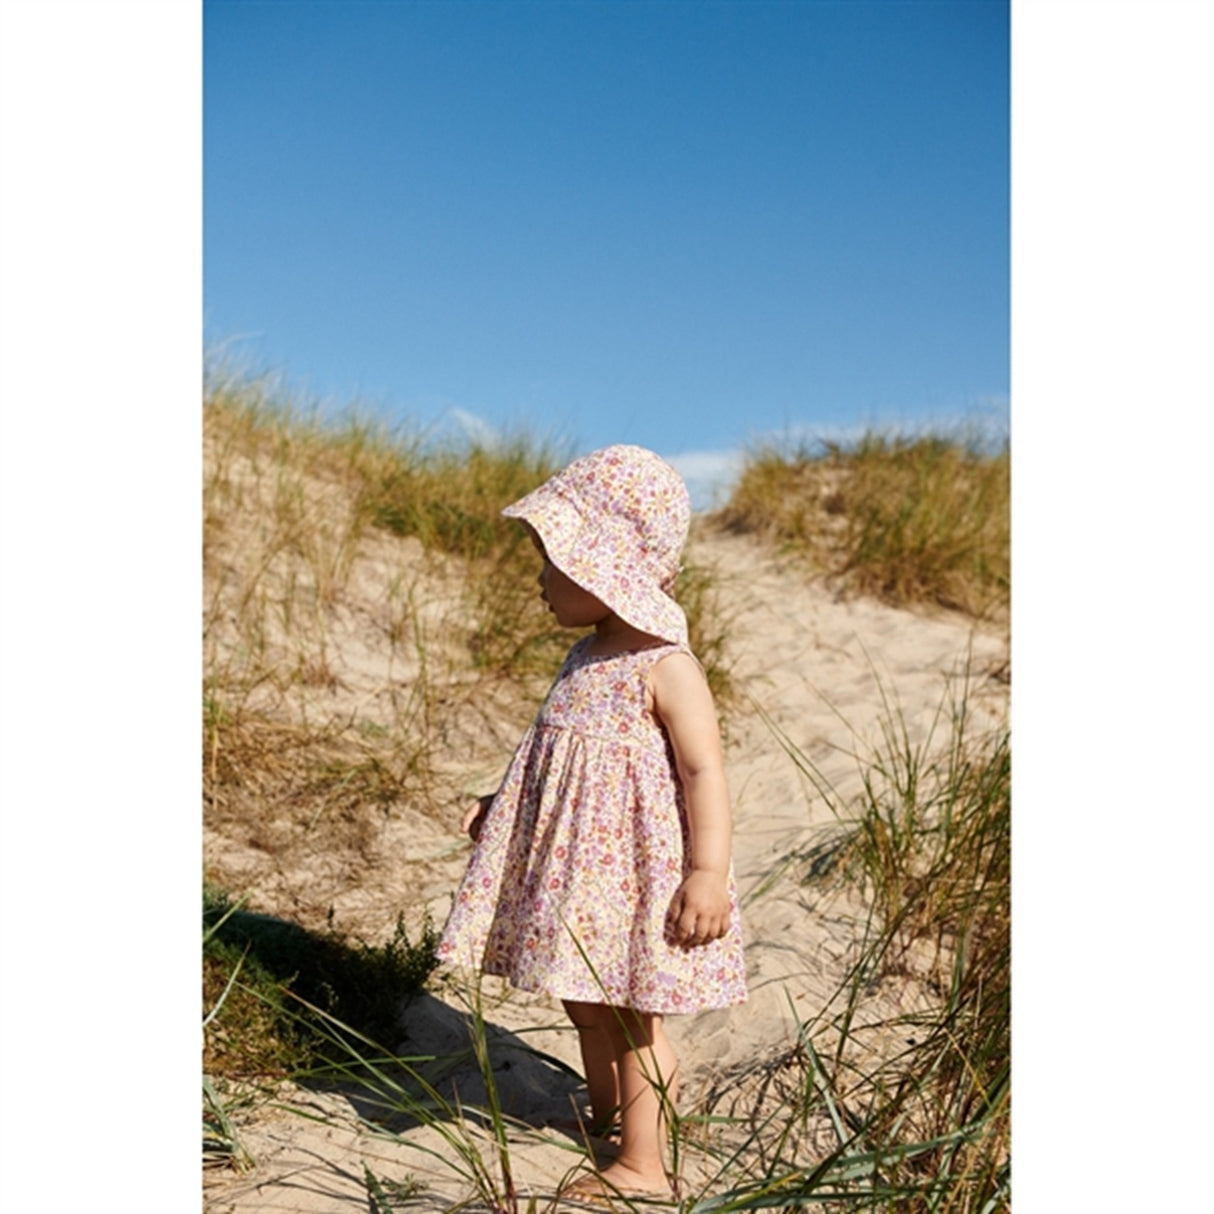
809	665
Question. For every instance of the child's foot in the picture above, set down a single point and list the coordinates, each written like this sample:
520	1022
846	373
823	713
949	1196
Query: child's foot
619	1180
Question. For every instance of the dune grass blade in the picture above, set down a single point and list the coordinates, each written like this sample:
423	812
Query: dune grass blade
395	1085
817	1185
227	990
293	506
316	529
363	983
480	1047
399	1087
381	1200
926	839
221	1142
226	908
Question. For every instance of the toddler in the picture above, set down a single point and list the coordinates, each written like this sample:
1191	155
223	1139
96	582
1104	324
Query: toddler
600	873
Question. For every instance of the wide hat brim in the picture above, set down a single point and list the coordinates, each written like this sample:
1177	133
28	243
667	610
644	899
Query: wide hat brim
603	554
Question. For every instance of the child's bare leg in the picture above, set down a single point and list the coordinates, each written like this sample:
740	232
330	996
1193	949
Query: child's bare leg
646	1065
598	1061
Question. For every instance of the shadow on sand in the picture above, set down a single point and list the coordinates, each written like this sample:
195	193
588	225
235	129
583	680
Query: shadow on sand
437	1076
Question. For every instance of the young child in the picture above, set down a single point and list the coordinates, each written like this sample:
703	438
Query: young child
600	873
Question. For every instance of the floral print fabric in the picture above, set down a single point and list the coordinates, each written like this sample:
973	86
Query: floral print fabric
615	521
586	842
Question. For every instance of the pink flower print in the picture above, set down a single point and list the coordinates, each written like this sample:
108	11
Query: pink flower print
595	778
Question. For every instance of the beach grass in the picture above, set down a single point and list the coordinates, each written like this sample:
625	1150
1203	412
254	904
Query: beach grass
257	966
308	519
909	520
321	537
905	1111
324	536
913	1109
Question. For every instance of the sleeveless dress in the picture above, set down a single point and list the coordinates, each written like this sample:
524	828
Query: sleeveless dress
585	844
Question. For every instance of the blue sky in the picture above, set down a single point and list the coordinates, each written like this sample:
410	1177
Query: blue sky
690	226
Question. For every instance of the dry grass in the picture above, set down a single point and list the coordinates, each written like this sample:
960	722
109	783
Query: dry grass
924	1095
908	520
371	632
373	640
373	645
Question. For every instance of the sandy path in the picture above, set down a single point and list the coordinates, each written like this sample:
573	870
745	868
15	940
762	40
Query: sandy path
815	666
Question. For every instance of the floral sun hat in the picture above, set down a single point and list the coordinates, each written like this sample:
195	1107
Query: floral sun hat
615	521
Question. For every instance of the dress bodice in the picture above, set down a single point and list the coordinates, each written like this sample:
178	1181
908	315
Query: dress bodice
604	697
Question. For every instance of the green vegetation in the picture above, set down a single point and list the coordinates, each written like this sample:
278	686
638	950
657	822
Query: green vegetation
908	520
919	1103
385	1196
299	517
262	973
304	522
907	1113
305	518
321	489
451	500
322	540
270	991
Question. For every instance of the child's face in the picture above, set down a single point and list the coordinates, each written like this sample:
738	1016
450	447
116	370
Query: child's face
573	606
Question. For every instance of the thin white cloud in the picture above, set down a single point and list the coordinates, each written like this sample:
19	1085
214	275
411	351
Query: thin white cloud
709	475
473	427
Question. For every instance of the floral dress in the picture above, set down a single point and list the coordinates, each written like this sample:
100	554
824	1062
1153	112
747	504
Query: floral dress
585	844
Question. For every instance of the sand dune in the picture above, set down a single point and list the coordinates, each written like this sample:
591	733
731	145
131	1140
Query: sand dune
806	663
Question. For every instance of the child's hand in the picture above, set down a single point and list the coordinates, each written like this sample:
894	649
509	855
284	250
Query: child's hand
474	819
699	910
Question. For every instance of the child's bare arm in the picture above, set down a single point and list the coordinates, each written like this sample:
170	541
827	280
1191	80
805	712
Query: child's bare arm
699	911
474	819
